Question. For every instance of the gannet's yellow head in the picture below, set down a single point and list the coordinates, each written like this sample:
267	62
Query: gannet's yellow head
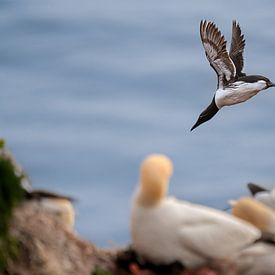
256	213
155	172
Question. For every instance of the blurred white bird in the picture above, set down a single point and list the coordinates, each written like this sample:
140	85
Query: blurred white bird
257	259
256	213
262	194
165	230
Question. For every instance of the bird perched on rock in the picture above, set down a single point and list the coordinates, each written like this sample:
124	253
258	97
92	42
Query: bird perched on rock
58	205
166	230
262	194
234	86
10	170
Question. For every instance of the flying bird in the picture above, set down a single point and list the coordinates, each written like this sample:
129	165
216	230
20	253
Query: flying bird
166	230
234	86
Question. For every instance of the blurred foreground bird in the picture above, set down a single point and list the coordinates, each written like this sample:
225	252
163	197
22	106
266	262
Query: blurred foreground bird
257	259
256	213
166	230
234	86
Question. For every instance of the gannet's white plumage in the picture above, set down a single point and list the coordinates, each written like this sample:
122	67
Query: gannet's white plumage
256	213
165	230
263	195
257	259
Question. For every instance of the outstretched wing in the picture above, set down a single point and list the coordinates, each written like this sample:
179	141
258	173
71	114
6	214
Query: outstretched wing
215	49
237	48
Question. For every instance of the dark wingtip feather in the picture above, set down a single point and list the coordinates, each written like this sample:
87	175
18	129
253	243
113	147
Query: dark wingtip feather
254	188
40	194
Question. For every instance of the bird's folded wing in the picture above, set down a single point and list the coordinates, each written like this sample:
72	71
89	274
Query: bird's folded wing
237	48
215	49
212	234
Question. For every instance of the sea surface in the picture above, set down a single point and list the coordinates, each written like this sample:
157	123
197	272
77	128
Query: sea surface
89	88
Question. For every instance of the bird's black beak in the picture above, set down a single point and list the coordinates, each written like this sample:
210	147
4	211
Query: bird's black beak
199	122
254	188
207	114
271	84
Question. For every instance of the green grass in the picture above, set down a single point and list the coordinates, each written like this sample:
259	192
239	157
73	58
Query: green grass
101	272
11	194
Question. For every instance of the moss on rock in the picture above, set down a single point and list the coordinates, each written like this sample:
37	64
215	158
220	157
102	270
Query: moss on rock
11	194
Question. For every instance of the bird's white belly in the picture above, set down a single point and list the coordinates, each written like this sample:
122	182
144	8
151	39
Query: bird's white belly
237	92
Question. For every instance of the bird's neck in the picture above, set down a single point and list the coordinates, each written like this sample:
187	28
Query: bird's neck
151	193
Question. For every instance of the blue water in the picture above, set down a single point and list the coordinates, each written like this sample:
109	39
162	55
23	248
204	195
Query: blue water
89	88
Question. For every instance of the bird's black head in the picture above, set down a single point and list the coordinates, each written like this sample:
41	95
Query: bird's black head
207	114
269	84
257	78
